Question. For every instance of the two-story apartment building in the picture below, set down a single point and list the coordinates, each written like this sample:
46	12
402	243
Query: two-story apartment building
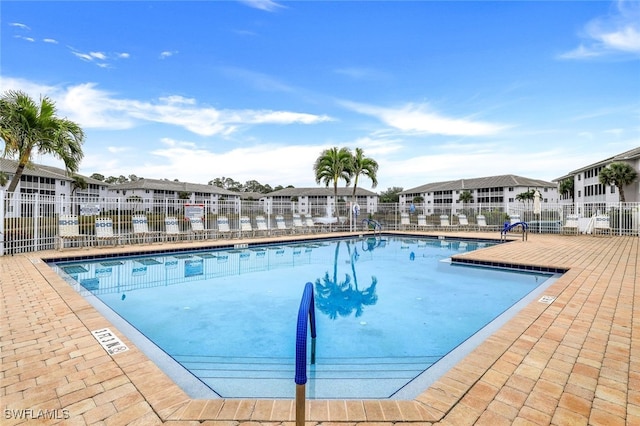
587	186
319	201
57	188
155	194
492	192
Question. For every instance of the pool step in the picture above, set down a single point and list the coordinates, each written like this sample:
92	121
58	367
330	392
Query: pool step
233	377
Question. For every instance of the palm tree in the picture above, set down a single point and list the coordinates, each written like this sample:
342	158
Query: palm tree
567	188
618	174
26	126
332	165
465	197
362	165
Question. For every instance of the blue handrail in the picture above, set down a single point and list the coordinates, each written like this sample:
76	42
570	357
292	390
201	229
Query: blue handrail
509	226
372	224
307	308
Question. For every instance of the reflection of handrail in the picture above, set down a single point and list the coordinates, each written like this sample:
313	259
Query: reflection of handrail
307	308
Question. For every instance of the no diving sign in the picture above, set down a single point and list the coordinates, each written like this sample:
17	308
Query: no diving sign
109	341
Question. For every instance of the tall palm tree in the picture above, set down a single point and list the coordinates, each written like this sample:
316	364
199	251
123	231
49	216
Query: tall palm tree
333	165
364	166
26	126
618	174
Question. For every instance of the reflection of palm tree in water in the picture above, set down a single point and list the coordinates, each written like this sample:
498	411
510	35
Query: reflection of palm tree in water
335	298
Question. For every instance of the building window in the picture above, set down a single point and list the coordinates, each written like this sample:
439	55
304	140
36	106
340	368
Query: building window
579	193
62	183
613	189
579	176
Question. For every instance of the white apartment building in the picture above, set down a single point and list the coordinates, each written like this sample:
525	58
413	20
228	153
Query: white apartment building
587	186
492	192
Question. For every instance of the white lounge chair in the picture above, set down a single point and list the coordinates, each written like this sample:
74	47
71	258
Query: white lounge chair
198	230
445	224
463	222
141	228
69	229
223	226
405	222
601	225
423	224
172	228
309	224
261	225
571	224
298	225
245	226
281	225
481	223
104	231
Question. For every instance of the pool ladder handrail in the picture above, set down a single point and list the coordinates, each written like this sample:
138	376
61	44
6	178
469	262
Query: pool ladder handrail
307	309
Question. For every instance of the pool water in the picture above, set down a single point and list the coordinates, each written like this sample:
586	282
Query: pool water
387	309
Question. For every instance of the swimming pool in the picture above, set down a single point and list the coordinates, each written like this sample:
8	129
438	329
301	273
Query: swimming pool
387	309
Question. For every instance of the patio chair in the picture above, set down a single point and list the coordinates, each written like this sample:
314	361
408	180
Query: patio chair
172	228
198	230
298	226
481	223
223	226
281	225
69	229
463	222
405	221
445	224
423	224
601	225
261	225
245	226
309	223
570	225
104	231
141	228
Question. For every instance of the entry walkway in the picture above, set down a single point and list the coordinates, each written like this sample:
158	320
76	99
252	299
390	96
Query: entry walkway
573	361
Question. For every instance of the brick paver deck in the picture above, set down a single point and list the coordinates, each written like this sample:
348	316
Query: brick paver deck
574	361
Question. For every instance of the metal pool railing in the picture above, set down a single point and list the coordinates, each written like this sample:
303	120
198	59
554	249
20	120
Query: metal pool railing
307	308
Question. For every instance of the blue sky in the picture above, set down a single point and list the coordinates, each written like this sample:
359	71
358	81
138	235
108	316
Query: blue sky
254	89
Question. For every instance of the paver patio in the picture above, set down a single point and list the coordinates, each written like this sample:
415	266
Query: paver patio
574	361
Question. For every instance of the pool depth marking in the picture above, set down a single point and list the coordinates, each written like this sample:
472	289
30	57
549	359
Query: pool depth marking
109	341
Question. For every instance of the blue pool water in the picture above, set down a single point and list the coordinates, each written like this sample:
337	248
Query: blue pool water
387	309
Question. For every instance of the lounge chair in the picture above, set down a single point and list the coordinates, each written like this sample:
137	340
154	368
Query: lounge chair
463	222
309	224
69	229
261	225
445	224
601	225
405	222
172	228
481	222
423	224
571	225
223	226
298	225
281	225
104	231
245	226
197	228
141	229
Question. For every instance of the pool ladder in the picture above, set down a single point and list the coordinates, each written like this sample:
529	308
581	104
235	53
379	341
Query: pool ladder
307	309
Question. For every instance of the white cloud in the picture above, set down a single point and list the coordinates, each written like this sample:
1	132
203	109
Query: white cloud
618	33
92	107
30	39
266	5
167	54
50	40
19	25
417	119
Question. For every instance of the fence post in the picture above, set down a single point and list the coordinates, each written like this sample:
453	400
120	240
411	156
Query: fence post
3	194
